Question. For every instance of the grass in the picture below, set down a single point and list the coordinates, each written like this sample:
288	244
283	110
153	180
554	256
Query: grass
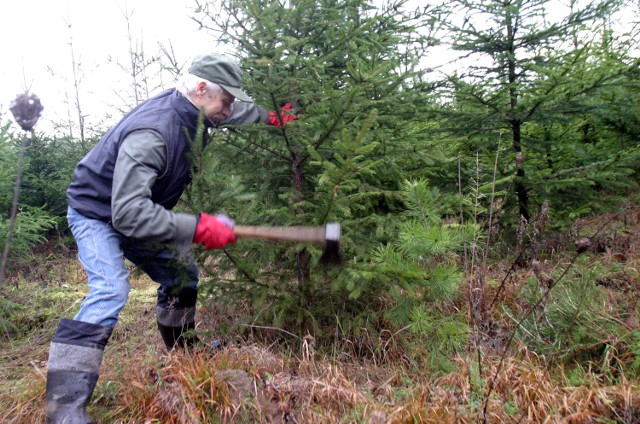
252	382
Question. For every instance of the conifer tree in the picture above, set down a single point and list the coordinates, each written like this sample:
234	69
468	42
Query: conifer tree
347	69
420	273
528	73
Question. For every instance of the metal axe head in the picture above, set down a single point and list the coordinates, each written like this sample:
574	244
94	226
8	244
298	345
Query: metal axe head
331	253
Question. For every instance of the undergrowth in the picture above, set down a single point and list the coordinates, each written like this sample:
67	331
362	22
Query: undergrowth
575	357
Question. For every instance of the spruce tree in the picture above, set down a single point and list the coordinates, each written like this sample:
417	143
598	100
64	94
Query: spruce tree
529	83
350	73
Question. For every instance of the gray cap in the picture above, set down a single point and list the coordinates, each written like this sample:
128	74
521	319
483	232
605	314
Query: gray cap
222	70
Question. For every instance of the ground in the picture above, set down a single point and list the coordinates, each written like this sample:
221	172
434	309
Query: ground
251	381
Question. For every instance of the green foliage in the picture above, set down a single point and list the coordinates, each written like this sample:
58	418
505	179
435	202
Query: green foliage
635	350
8	310
349	79
49	165
30	227
542	87
8	162
419	275
576	322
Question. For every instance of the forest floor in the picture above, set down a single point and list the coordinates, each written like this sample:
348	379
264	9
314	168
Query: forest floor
250	381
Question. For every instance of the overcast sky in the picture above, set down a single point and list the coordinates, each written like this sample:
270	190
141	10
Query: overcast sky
36	53
35	37
35	48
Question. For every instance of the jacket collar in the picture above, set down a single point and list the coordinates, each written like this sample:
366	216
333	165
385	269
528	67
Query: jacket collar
187	111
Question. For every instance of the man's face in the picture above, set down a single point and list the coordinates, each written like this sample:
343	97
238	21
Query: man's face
217	106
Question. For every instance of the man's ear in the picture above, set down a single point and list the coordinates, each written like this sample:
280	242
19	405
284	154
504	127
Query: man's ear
201	89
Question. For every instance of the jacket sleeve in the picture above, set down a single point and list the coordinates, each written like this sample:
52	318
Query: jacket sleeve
141	161
247	113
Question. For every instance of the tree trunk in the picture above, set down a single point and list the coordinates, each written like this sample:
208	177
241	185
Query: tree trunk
521	189
302	257
516	123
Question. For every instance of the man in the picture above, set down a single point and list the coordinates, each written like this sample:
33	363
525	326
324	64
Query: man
120	202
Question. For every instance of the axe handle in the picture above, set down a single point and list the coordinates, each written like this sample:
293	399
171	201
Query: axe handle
299	233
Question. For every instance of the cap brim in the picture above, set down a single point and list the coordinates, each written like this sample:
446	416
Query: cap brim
237	93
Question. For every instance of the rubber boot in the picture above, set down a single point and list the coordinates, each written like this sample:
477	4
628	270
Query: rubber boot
75	356
175	324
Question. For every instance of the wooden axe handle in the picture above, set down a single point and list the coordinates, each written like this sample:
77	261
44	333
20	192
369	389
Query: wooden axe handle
294	233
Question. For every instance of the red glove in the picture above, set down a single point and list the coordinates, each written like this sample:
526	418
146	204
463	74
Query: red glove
286	115
214	233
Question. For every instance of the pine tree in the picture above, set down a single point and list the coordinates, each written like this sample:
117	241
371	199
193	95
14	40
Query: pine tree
420	275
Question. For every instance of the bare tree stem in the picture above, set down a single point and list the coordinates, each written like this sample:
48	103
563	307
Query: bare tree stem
14	208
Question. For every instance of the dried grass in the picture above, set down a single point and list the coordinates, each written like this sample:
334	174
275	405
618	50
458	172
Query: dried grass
24	402
254	384
259	384
524	392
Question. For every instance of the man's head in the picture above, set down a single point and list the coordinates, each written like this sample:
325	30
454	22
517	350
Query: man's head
214	100
221	70
213	82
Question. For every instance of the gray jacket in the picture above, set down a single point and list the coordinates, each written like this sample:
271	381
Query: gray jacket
141	160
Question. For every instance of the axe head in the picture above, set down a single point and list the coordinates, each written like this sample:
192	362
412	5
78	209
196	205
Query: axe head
331	253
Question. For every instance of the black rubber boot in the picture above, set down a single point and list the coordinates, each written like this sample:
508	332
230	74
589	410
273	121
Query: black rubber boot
175	326
178	336
75	356
177	330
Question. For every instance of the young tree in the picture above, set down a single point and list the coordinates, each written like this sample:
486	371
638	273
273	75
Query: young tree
142	69
26	109
47	173
528	72
76	128
349	72
8	161
77	105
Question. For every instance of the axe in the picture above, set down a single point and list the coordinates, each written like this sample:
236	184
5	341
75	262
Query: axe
329	235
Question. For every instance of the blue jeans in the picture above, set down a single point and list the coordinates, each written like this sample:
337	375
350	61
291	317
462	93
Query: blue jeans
102	251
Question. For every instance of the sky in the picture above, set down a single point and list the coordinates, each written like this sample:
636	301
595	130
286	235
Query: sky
35	40
35	44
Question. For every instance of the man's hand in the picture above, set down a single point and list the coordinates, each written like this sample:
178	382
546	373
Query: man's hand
214	232
286	115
